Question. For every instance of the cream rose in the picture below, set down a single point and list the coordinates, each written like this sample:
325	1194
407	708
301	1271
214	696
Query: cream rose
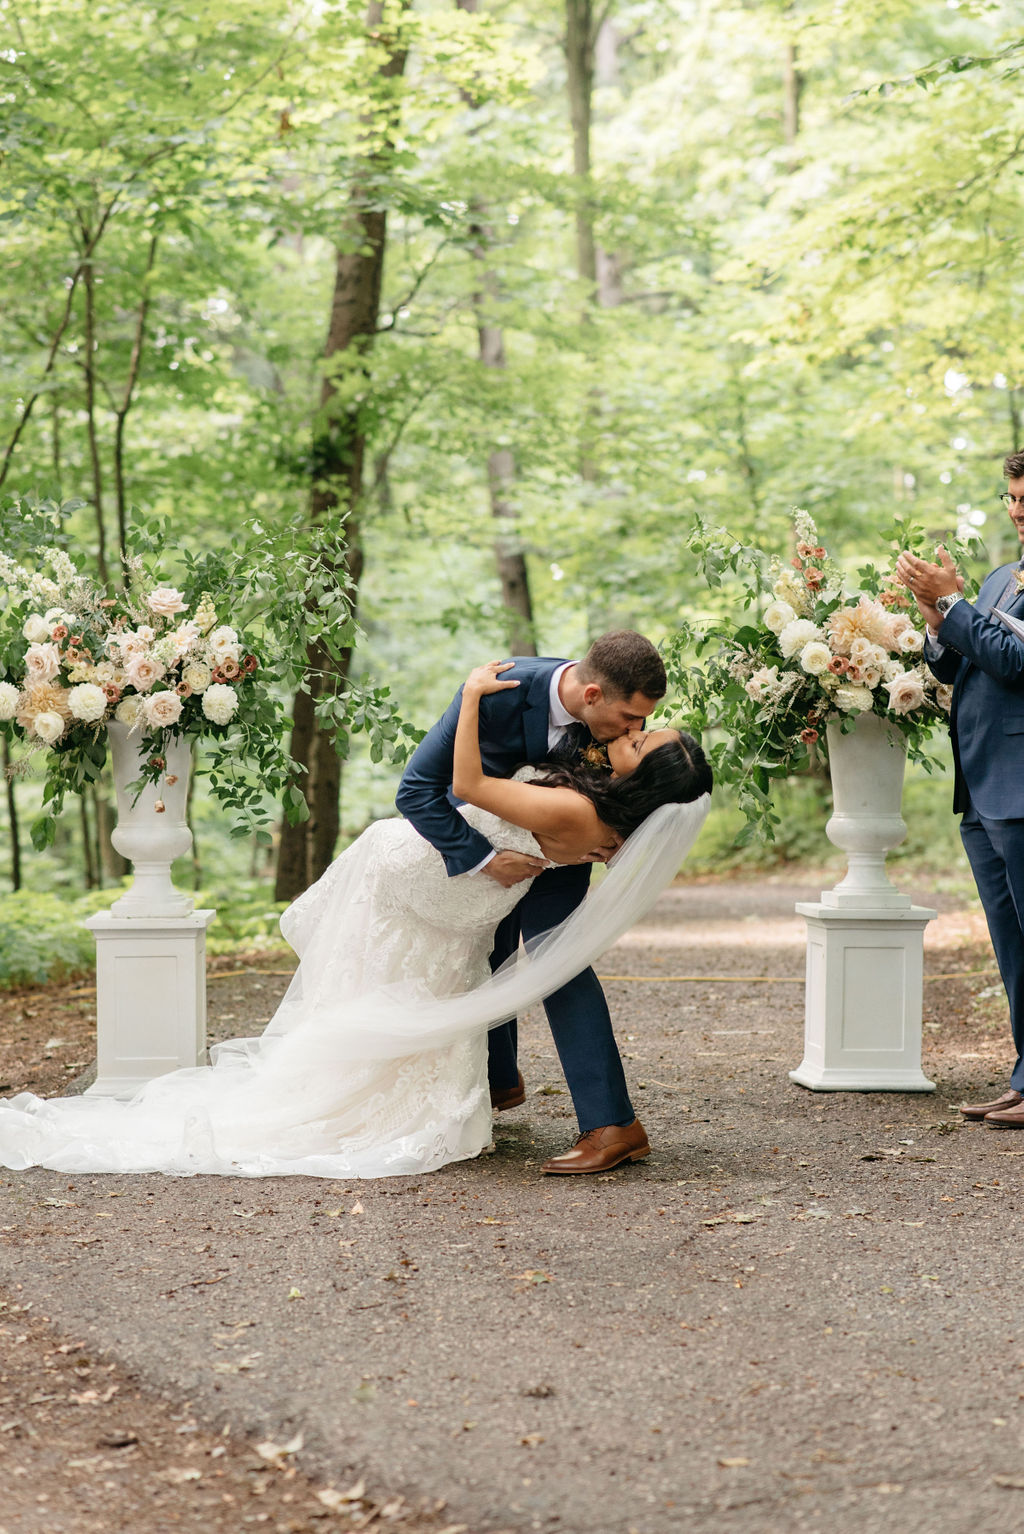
166	601
128	711
219	703
36	629
853	700
906	692
815	657
87	702
198	675
49	727
944	696
777	615
797	634
142	671
8	700
42	662
162	709
871	676
911	641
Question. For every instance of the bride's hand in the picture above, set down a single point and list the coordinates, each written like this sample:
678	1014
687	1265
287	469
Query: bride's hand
487	679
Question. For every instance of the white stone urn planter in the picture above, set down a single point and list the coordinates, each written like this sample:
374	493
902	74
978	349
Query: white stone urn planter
865	940
150	837
151	944
867	766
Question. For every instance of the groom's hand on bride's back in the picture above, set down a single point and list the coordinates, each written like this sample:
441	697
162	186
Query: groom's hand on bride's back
508	868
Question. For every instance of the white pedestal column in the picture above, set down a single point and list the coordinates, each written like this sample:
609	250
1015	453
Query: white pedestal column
862	1018
150	997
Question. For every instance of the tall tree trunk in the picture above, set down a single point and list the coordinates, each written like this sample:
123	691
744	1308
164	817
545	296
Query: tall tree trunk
112	863
121	411
509	555
579	58
12	816
339	448
91	344
88	855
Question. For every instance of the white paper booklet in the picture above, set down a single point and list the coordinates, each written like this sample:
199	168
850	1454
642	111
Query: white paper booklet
1013	624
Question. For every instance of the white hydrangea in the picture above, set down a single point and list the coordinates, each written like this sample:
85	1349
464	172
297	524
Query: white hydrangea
797	634
776	615
219	703
165	650
87	702
198	675
128	711
815	657
8	700
853	700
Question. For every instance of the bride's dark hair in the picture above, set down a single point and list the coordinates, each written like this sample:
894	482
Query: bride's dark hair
675	773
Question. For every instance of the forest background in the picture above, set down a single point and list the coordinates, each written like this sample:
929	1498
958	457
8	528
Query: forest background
497	297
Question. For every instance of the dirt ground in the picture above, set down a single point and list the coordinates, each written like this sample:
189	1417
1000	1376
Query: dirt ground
101	1428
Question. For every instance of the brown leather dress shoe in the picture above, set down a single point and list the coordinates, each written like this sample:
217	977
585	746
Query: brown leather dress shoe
982	1110
1006	1118
600	1149
503	1098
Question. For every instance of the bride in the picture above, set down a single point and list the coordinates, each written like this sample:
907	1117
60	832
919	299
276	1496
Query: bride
375	1063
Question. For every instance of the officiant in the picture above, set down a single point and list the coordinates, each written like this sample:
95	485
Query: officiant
979	648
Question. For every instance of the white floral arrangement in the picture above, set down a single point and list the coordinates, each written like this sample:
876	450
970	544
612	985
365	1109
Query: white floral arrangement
814	653
73	660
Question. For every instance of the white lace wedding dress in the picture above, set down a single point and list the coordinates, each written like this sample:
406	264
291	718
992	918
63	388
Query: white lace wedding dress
375	1063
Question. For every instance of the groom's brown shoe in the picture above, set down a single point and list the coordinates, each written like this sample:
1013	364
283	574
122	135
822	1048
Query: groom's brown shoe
977	1111
600	1149
503	1098
1006	1118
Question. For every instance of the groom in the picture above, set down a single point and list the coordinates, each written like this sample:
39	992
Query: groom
558	707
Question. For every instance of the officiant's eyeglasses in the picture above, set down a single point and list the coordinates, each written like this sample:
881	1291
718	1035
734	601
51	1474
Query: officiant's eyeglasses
1011	500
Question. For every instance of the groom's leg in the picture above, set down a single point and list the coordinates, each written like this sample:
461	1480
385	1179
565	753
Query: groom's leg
503	1041
578	1013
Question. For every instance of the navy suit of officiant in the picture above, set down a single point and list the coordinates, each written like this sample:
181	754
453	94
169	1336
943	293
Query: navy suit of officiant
513	733
985	663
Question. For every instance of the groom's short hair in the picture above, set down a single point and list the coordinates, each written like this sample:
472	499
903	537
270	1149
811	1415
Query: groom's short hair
1013	466
623	663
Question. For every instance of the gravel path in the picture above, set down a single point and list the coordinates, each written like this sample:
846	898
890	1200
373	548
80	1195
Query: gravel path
776	1321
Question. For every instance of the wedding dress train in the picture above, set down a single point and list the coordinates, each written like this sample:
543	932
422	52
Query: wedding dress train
375	1063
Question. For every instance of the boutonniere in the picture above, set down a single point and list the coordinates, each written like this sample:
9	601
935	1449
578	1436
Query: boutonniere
596	755
1018	579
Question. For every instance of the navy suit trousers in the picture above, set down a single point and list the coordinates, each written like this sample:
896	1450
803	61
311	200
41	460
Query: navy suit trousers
578	1013
995	849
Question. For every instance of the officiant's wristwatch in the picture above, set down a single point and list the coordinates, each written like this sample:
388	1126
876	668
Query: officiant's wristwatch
943	604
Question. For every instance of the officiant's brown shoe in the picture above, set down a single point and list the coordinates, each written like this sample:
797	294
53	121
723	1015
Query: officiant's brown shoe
982	1110
503	1098
1006	1118
600	1149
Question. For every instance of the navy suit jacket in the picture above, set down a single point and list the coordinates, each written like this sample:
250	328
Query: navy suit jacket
985	664
513	732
